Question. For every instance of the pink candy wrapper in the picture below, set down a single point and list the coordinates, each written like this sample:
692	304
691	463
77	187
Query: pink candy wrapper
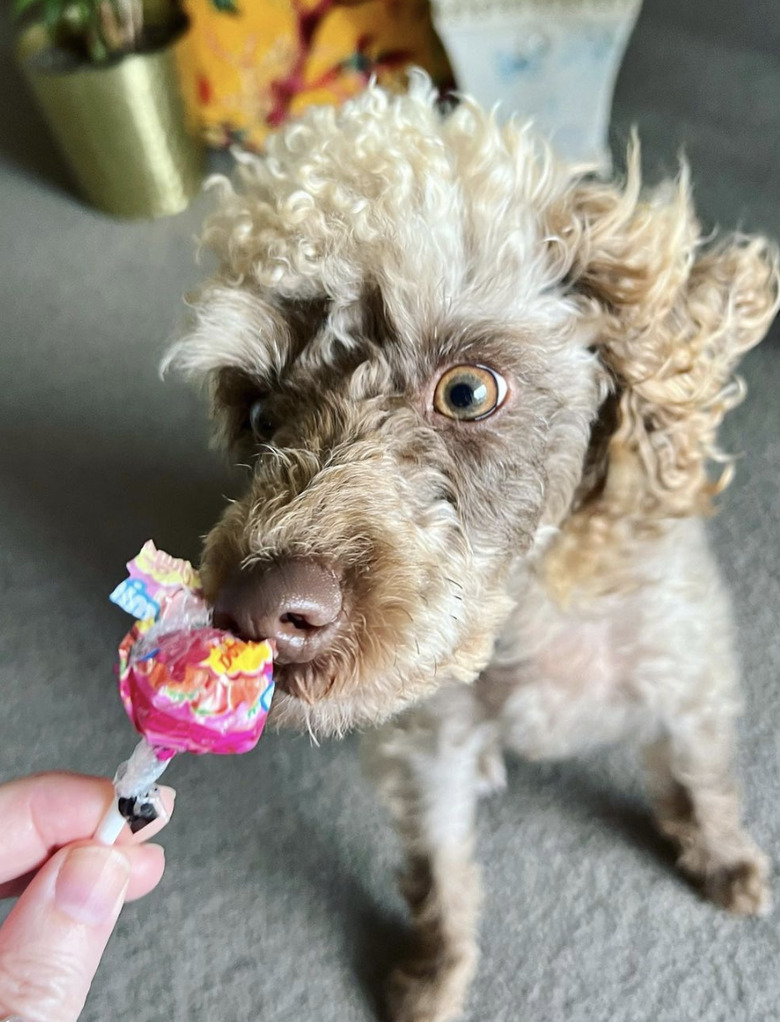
187	687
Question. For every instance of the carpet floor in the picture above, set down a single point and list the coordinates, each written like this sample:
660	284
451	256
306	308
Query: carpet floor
279	902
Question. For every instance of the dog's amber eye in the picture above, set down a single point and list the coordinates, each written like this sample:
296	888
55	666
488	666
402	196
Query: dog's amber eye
469	392
260	422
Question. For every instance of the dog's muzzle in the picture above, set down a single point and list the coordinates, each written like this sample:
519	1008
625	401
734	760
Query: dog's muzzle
295	603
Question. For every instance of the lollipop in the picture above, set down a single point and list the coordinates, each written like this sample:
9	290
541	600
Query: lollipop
187	687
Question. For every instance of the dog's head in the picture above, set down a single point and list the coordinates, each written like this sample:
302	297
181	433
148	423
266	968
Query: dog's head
428	341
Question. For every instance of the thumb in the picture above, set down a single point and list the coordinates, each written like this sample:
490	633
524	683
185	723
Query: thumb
52	941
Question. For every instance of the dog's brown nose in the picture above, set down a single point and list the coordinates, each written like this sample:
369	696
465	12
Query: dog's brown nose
297	603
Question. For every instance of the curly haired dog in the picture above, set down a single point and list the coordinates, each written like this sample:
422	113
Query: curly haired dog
477	392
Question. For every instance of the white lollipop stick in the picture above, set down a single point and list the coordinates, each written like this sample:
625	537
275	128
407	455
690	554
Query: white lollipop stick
134	783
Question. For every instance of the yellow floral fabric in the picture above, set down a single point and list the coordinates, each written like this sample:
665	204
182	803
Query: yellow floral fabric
251	64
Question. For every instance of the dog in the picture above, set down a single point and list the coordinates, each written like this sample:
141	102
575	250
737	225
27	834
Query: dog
476	392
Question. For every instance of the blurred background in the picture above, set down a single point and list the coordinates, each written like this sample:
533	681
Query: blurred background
279	902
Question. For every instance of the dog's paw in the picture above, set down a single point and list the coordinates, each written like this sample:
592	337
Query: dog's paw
741	887
491	772
421	992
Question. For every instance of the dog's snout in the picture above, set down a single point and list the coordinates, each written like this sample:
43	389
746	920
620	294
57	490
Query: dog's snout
296	603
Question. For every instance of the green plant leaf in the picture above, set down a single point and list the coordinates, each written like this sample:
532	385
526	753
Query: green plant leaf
20	6
77	16
53	13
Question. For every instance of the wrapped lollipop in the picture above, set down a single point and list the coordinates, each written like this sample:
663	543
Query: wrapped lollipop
186	686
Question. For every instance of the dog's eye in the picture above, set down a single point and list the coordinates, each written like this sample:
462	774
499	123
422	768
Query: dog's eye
260	422
469	392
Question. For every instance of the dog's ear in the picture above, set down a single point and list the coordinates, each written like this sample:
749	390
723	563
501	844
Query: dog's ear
671	316
233	343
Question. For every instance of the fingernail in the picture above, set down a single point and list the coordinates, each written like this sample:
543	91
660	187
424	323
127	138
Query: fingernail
91	884
164	804
167	803
168	796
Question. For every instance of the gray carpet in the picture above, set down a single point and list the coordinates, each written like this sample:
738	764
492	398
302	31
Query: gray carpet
278	904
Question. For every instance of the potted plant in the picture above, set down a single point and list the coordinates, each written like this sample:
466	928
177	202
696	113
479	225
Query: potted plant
106	76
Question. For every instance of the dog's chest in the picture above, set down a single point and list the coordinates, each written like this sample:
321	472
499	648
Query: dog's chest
584	655
565	676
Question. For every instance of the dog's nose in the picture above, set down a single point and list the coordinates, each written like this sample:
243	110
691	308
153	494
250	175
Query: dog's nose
297	603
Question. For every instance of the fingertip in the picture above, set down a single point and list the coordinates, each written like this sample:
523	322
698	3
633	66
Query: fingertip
147	865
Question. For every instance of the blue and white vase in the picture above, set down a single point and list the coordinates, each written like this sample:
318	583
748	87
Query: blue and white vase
554	61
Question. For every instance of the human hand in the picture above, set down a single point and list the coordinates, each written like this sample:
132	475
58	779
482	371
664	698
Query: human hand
70	889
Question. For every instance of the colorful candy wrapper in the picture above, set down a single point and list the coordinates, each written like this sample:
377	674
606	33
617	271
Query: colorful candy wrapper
187	687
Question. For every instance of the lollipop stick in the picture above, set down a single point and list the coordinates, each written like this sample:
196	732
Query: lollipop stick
110	826
137	802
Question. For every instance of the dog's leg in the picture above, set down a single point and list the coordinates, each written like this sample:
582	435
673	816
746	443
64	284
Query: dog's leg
697	805
427	767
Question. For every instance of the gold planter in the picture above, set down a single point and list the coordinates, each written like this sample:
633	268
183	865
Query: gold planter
123	128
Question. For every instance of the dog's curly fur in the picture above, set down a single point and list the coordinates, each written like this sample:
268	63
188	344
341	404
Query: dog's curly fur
540	579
